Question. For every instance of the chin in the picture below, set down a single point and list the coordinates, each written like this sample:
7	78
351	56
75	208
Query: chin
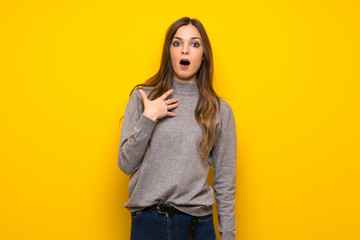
185	77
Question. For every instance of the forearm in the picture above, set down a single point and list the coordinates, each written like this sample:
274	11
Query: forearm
225	197
133	144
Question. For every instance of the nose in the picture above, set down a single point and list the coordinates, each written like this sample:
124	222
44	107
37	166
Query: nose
185	50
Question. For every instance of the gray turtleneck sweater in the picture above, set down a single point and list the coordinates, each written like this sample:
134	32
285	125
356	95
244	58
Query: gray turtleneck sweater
165	163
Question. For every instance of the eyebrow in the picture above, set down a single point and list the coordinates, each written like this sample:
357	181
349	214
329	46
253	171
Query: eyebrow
190	38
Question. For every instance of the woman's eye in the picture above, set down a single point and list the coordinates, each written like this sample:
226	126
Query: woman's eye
176	44
195	44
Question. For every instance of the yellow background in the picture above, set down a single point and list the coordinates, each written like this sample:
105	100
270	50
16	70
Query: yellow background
289	70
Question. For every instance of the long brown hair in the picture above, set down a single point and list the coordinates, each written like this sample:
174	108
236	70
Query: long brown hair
208	102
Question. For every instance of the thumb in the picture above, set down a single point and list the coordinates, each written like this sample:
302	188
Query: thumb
143	95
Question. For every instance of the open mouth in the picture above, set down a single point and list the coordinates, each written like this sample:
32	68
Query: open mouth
184	62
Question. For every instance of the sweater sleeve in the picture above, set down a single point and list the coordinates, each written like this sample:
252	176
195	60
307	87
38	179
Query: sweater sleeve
224	159
135	134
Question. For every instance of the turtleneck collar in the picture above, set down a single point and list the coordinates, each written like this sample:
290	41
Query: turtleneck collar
185	88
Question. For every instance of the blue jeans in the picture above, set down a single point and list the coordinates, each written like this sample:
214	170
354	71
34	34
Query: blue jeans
151	225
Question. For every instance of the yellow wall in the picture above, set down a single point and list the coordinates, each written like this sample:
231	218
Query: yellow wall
289	69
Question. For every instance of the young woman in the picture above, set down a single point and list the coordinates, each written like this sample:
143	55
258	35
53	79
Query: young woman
175	128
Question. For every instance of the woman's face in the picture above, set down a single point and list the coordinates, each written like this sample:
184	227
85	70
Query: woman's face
186	53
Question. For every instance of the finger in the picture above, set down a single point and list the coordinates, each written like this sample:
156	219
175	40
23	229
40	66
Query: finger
143	95
171	114
169	101
172	106
165	95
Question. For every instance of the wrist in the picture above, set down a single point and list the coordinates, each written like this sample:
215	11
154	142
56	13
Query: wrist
150	116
